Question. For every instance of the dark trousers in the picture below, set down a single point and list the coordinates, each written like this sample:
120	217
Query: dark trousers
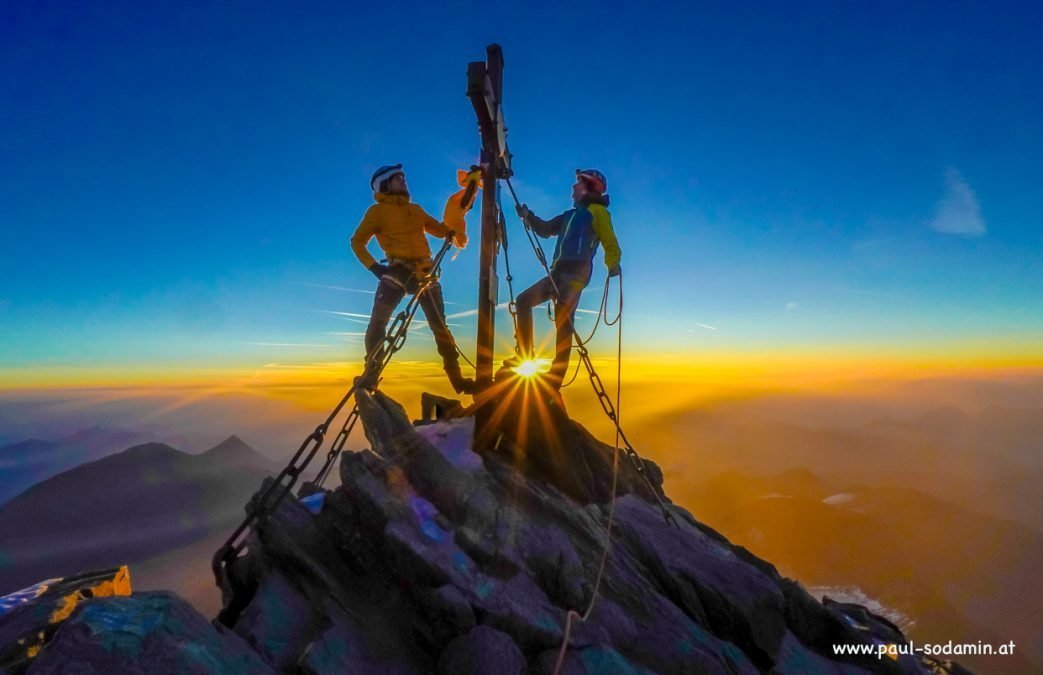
570	288
389	294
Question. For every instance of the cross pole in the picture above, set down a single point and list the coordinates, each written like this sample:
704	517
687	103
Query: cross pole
485	89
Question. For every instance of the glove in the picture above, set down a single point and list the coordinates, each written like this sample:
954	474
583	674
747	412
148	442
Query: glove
615	271
522	211
471	181
379	270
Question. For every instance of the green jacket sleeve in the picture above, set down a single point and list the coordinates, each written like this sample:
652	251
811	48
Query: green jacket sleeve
603	229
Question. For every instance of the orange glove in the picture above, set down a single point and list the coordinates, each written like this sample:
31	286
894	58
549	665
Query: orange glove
470	179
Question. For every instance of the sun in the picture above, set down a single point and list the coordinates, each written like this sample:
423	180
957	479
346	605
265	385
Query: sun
531	367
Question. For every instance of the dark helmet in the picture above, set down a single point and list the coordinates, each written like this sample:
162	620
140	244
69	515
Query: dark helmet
382	174
594	179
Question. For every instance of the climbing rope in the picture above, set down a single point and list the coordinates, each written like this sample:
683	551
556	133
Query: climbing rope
575	374
613	413
595	379
572	615
602	314
259	510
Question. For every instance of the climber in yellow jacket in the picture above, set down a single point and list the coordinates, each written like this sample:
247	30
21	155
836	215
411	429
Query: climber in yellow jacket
401	228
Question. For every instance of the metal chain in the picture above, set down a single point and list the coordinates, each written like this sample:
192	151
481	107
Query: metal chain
277	490
337	446
534	241
573	614
395	341
595	380
610	411
501	221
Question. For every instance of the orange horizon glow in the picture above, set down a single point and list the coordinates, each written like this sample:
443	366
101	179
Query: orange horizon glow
781	368
653	384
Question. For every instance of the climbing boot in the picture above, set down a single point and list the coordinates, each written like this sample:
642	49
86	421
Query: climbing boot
461	384
464	385
367	380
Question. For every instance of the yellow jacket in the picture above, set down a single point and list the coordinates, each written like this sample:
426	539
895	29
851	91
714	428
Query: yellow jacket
399	227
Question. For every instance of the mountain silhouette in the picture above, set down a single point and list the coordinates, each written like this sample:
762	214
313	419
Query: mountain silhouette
431	557
132	505
28	462
951	570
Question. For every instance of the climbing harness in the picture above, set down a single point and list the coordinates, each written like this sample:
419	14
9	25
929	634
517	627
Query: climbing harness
260	509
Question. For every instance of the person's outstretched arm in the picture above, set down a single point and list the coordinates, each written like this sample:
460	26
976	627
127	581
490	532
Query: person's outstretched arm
544	228
432	226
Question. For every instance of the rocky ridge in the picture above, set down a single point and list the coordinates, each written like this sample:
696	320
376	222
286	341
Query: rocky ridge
430	558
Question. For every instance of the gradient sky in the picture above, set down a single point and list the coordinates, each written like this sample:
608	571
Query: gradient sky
178	183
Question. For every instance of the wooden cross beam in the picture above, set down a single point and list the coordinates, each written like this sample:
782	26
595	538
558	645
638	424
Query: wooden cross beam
485	89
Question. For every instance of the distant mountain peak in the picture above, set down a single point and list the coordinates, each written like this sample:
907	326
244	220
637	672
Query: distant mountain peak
229	446
232	442
235	451
150	448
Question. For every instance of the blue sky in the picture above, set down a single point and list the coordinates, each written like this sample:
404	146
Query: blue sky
178	184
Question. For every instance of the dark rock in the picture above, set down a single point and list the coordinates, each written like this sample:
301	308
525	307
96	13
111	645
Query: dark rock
445	613
410	555
483	651
388	429
346	648
146	633
279	623
709	581
597	660
520	608
794	659
557	568
487	552
29	618
879	627
819	629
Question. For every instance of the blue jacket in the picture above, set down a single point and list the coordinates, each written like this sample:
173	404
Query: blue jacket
579	231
